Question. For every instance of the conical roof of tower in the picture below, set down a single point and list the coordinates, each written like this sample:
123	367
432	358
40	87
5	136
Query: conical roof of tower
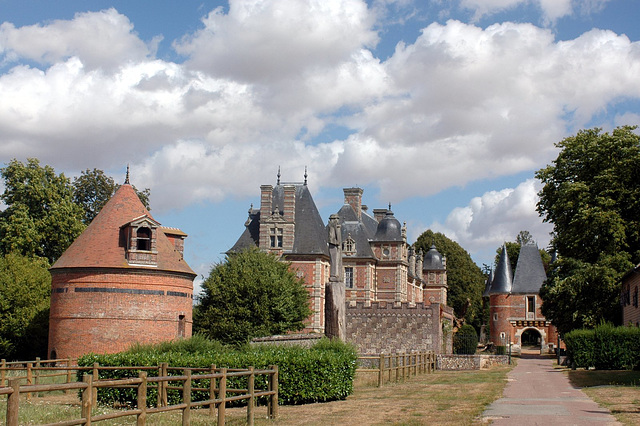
502	278
530	273
433	260
487	286
101	245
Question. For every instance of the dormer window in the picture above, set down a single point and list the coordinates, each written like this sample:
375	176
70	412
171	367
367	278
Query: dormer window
143	239
275	237
139	238
349	246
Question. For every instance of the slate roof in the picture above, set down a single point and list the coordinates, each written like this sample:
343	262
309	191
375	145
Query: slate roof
530	273
433	260
310	235
358	231
100	245
502	278
389	229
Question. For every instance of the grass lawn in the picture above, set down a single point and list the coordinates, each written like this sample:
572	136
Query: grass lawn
440	398
618	391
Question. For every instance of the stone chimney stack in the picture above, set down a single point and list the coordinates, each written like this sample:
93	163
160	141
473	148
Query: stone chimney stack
419	262
289	203
353	197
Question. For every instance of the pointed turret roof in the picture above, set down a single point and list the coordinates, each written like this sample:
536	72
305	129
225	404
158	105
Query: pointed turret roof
502	278
530	273
101	244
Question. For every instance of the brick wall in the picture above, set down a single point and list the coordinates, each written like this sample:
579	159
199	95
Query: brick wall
386	327
107	311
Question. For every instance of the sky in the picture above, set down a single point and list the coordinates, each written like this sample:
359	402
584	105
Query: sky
443	108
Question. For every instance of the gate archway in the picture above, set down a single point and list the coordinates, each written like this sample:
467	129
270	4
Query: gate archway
531	337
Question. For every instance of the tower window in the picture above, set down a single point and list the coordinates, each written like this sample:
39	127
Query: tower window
348	277
349	246
275	237
143	238
531	303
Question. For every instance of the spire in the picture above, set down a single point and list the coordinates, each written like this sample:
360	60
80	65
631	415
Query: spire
278	183
502	277
126	179
305	175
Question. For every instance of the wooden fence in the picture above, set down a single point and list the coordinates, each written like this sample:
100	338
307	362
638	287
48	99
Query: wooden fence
397	366
218	393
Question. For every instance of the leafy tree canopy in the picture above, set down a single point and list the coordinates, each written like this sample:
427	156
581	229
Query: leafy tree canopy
41	218
251	294
25	285
92	190
591	195
465	279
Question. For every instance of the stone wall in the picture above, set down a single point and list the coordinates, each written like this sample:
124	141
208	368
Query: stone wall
469	362
394	327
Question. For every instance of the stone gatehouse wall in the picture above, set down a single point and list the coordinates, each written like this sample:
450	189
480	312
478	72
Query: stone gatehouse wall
394	327
469	362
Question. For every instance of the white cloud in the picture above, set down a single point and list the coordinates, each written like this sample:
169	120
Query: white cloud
98	39
495	217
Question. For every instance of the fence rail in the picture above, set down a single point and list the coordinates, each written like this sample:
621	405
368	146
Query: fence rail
218	393
395	367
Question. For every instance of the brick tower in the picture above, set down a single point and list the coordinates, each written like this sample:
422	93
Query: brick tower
122	281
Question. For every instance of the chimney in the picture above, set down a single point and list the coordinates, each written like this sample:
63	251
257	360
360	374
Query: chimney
266	197
379	214
289	203
353	197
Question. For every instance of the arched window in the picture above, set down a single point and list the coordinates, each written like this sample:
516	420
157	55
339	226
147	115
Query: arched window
143	237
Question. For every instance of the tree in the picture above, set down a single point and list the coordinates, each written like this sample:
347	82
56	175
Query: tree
41	218
465	279
25	285
92	190
251	294
591	195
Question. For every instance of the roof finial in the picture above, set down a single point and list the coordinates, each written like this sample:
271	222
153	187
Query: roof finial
389	206
278	183
305	175
126	179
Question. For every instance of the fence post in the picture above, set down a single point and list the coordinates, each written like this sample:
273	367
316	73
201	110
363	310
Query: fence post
95	376
13	402
165	384
87	399
3	373
142	399
212	389
273	387
68	391
29	378
222	395
251	391
186	398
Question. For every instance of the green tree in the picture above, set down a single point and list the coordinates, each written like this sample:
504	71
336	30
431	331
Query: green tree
251	294
92	190
41	218
25	285
591	195
465	279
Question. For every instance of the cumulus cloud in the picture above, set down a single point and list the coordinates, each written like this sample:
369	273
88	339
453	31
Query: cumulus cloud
496	217
98	39
459	104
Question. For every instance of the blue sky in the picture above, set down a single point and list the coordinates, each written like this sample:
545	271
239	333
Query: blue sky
443	108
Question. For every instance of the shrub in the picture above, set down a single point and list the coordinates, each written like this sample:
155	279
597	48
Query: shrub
501	350
605	347
465	341
321	373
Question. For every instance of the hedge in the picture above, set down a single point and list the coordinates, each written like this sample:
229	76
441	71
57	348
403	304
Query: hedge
321	373
606	347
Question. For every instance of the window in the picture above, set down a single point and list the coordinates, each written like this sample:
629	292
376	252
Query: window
143	238
531	307
275	237
348	277
495	316
635	297
349	246
181	325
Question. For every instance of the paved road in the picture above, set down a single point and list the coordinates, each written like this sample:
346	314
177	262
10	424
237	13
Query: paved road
538	394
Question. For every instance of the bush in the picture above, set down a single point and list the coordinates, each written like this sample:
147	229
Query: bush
321	373
465	341
501	350
605	347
